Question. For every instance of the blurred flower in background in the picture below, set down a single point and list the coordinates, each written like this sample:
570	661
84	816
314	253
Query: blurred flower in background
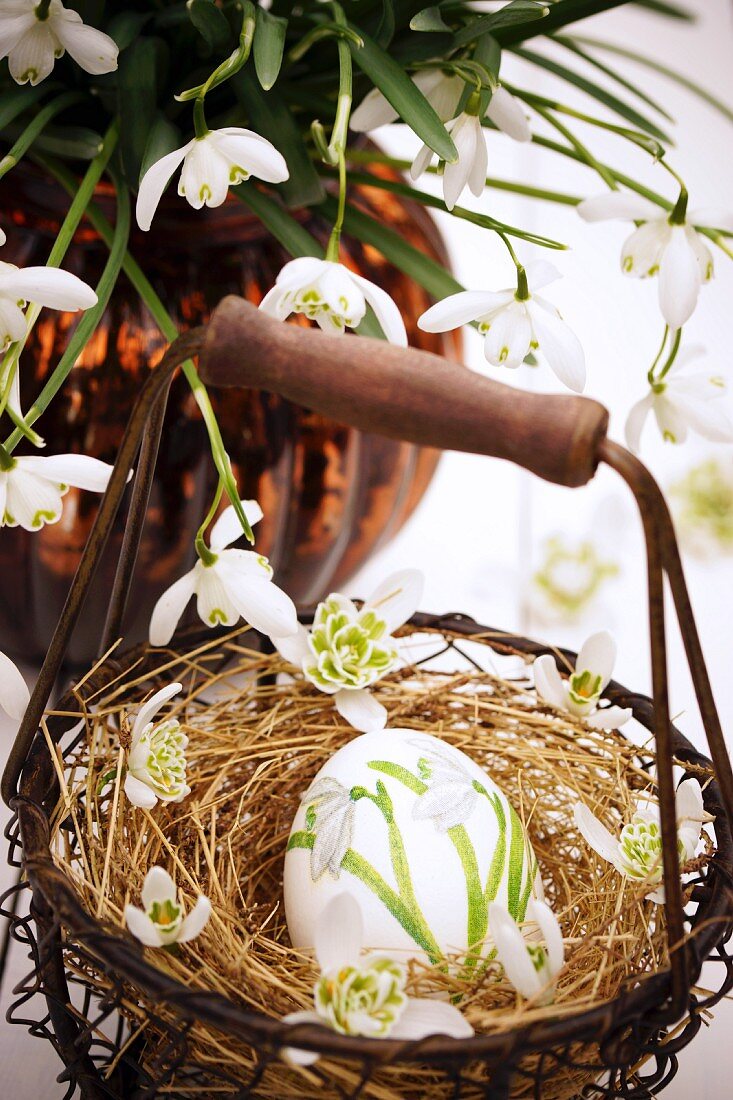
702	505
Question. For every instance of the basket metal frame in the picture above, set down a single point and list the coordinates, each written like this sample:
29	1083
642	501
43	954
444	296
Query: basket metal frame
631	1026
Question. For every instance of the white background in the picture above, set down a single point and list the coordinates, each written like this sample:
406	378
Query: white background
479	532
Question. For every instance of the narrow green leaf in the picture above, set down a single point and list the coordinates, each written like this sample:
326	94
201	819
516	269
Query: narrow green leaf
571	45
137	86
268	46
562	13
294	237
409	102
618	106
386	29
429	19
211	23
17	100
70	142
125	26
517	13
164	137
671	11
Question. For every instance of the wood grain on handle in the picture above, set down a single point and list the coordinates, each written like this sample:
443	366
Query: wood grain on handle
403	393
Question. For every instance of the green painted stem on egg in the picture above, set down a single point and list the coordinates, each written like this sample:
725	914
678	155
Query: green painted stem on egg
516	863
524	899
363	870
493	879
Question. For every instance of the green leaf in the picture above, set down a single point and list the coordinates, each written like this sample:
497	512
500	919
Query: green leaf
562	13
273	119
518	12
137	88
409	102
70	142
294	238
385	31
17	100
268	45
429	19
211	23
671	11
608	99
125	26
164	137
571	45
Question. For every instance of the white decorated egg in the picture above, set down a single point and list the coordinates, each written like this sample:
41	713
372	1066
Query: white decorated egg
419	835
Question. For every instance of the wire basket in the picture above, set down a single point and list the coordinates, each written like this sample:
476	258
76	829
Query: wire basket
126	1027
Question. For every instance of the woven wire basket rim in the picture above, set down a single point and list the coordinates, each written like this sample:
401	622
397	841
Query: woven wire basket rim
118	955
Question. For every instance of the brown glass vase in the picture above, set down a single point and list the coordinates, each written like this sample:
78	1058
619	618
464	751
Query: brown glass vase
331	495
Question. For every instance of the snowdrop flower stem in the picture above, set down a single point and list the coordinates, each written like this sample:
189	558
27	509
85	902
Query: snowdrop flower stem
232	64
199	117
207	556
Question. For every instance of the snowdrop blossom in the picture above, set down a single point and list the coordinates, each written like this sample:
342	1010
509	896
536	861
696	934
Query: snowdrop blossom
530	967
347	650
452	793
365	996
332	296
637	852
673	250
156	761
32	41
211	164
235	583
470	167
32	486
680	402
442	91
330	817
47	286
514	325
161	922
14	694
581	693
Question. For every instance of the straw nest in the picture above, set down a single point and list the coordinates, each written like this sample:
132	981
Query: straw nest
256	741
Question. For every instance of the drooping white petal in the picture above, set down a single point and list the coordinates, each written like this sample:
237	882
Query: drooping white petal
397	598
540	912
598	654
139	793
455	176
460	309
479	164
12	322
608	718
293	1055
621	205
295	647
260	602
251	153
511	950
82	471
276	303
228	527
14	23
157	887
154	183
595	833
540	273
689	804
33	56
141	926
548	682
169	608
31	501
711	217
636	420
709	419
508	339
385	310
703	254
360	709
205	175
671	418
14	694
506	112
679	279
150	708
422	160
342	291
195	921
642	251
214	605
94	51
339	933
558	343
374	110
47	286
423	1016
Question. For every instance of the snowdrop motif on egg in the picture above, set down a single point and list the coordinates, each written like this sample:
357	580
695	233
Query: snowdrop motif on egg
378	818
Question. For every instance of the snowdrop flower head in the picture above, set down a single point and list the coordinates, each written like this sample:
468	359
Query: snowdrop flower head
357	995
348	649
682	401
666	245
581	693
330	817
14	694
32	486
334	297
451	794
46	286
229	584
156	760
515	321
32	39
637	852
530	966
161	921
442	91
211	164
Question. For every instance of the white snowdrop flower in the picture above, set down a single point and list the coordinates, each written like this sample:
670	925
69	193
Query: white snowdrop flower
332	296
581	693
673	250
357	995
442	91
46	286
161	922
235	583
529	966
452	793
330	812
14	694
680	402
33	40
348	649
637	852
211	164
156	761
32	487
514	325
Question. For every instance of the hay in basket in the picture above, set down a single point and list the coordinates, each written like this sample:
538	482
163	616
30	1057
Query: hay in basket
256	739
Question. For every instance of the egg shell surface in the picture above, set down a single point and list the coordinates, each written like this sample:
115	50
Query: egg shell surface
419	835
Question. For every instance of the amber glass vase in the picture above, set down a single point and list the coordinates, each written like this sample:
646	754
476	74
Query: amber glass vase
331	495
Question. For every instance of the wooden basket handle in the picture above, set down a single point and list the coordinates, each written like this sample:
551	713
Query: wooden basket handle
403	393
